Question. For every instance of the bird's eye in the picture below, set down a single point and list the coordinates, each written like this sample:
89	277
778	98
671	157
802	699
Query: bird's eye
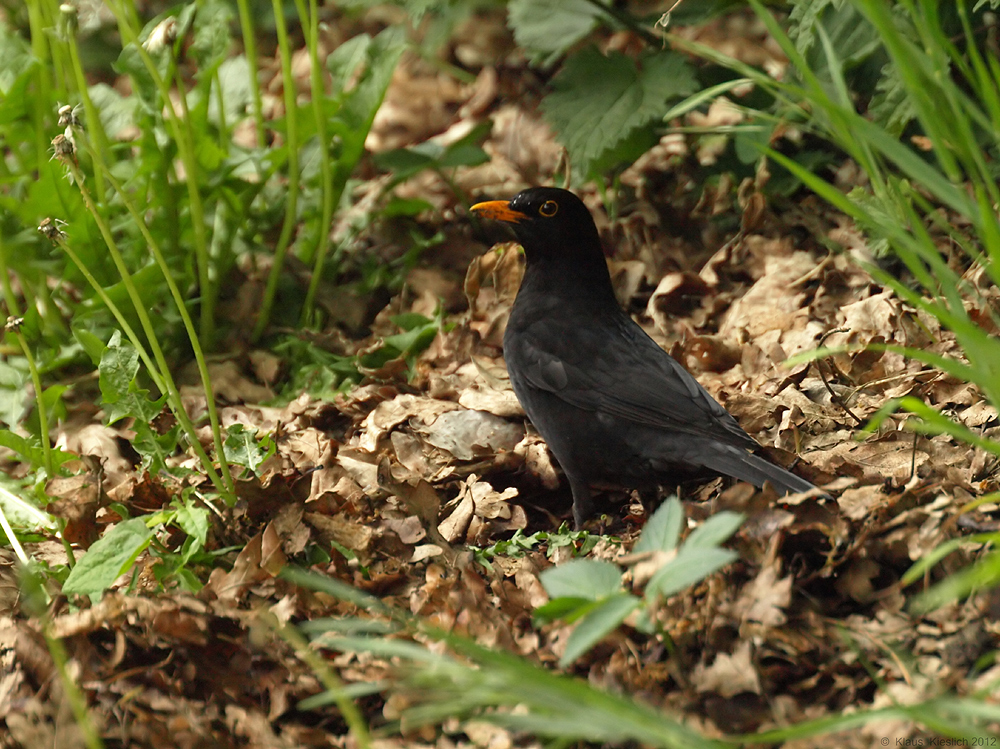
549	208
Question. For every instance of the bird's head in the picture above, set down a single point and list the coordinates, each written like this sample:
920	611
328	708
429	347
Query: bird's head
547	221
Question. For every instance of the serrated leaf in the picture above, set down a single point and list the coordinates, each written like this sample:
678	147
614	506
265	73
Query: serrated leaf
892	107
802	21
13	395
31	449
108	558
137	404
600	102
154	448
547	28
195	522
16	58
663	529
564	607
117	112
118	368
242	447
232	92
211	40
715	530
582	578
596	625
691	565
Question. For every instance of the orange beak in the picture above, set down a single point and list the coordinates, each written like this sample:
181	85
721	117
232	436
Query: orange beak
499	210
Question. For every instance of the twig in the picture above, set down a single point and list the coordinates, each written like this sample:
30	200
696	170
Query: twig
829	388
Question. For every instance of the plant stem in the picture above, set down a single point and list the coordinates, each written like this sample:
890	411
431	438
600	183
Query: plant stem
184	138
196	349
250	47
159	372
326	172
292	144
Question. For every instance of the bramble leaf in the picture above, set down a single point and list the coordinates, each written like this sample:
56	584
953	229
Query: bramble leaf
547	28
601	104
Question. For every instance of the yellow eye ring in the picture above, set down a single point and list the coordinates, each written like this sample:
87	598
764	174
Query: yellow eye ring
549	208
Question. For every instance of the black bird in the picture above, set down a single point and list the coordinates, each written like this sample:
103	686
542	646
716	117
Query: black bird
611	404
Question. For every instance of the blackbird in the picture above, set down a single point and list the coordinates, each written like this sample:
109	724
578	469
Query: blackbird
611	404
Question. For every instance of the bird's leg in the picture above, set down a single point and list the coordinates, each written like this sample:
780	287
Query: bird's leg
583	503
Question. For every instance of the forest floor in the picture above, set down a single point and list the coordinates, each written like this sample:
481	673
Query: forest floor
405	479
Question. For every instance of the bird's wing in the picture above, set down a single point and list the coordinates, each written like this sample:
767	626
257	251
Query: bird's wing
622	372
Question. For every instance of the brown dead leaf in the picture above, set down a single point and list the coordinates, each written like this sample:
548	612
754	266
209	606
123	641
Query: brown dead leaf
467	434
676	293
390	414
492	400
177	625
233	585
763	602
454	526
774	304
343	530
862	502
77	500
409	529
538	460
729	674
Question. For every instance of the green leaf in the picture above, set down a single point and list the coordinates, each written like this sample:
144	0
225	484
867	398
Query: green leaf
406	162
194	521
663	529
118	368
117	112
154	447
547	28
715	530
410	320
109	558
600	102
564	607
15	99
31	449
582	578
692	564
232	87
365	98
211	41
601	620
13	396
891	107
16	58
22	514
983	575
803	19
345	59
244	448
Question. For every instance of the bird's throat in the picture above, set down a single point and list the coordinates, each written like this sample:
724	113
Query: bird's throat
577	282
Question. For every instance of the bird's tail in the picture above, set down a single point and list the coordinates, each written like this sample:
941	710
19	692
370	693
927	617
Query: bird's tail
738	463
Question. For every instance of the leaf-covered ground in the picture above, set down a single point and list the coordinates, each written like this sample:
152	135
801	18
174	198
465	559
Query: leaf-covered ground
397	480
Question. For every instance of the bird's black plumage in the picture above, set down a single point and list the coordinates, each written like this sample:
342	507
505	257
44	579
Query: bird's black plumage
611	404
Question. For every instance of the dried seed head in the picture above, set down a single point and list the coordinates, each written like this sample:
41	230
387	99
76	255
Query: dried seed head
63	147
52	229
69	19
68	116
163	35
13	324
